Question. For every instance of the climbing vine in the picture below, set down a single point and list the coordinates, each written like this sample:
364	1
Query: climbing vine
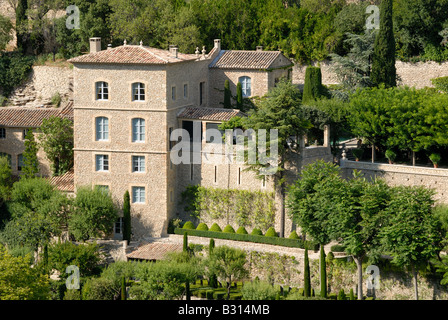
248	208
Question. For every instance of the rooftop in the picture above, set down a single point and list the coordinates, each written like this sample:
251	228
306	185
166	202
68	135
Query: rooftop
211	114
21	117
242	59
133	54
66	182
154	250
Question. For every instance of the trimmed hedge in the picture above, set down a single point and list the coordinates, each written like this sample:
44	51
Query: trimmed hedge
215	228
271	233
241	230
202	226
229	228
188	225
256	232
285	242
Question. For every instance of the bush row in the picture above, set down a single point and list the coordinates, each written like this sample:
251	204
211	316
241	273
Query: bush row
257	237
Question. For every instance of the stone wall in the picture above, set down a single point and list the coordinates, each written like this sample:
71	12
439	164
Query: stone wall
395	174
42	84
416	75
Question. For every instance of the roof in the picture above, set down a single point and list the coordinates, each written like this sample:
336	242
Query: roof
66	182
243	59
21	117
132	54
154	250
211	114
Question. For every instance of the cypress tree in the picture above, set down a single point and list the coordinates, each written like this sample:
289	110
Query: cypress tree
383	59
323	273
21	21
239	96
313	88
227	95
185	247
123	288
307	276
127	217
213	280
30	161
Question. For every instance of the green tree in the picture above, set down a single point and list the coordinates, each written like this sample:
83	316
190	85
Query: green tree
412	233
228	264
313	89
19	281
127	217
306	275
21	25
5	181
5	32
227	95
57	143
239	96
93	215
383	59
30	161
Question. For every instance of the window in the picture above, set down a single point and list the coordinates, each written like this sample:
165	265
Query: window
138	164
2	133
173	93
103	188
201	92
119	225
102	129
246	85
24	133
138	91
138	130
102	162
185	91
102	90
19	162
138	194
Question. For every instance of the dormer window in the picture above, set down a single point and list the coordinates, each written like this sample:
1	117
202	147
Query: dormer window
102	90
138	91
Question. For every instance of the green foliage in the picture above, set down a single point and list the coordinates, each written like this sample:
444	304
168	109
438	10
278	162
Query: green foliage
293	235
202	226
93	215
5	181
127	229
341	295
239	96
188	225
313	89
357	152
441	84
98	289
323	273
383	59
57	142
242	230
215	228
390	155
435	158
30	161
14	70
256	232
306	275
86	257
250	207
56	99
258	290
5	32
271	233
19	281
227	95
229	229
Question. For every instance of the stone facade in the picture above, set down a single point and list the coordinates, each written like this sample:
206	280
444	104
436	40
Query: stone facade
395	174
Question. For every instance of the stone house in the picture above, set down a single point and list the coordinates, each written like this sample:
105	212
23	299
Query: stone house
14	123
128	102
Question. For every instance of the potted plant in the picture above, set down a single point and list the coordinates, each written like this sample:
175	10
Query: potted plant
390	155
435	158
357	153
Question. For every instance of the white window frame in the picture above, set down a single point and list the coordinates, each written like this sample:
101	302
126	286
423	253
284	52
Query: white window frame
138	130
102	129
246	85
138	91
101	91
138	194
102	163
138	164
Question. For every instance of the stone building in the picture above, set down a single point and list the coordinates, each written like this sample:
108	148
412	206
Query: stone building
129	100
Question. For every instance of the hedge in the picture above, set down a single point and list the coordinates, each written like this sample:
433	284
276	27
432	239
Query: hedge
285	242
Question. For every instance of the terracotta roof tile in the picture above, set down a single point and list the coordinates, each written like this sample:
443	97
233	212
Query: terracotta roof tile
154	250
211	114
131	54
21	117
243	59
66	182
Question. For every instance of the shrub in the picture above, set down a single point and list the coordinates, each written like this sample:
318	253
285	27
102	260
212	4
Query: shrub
390	155
441	83
256	232
337	248
189	225
229	229
294	235
341	295
56	100
241	230
202	226
435	158
215	228
258	290
271	233
313	88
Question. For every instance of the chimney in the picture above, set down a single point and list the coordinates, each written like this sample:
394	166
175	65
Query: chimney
174	50
218	44
259	48
109	46
95	45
